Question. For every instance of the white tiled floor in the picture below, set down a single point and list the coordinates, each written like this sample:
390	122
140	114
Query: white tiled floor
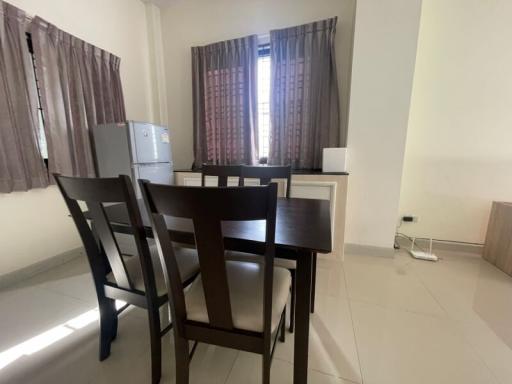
378	320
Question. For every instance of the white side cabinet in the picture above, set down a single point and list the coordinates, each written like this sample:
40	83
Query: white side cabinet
331	187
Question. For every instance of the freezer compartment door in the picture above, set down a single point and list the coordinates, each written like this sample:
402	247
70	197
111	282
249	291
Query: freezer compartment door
161	173
112	150
150	143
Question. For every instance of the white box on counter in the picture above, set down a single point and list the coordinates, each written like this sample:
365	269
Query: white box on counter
334	160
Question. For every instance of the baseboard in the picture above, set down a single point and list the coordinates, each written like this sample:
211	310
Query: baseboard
475	249
368	250
21	274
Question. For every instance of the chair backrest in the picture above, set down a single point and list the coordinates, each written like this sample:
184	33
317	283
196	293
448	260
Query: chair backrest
265	173
222	172
101	245
208	207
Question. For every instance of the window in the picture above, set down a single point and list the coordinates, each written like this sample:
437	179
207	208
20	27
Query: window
264	100
41	135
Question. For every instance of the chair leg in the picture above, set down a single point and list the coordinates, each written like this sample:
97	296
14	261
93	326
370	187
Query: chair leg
313	284
282	337
108	320
156	345
182	358
115	322
267	362
292	302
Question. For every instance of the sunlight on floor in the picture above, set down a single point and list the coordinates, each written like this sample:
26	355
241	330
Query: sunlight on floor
45	339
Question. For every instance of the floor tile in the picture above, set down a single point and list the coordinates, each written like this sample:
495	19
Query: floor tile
469	288
378	320
74	359
210	365
478	297
124	365
330	279
27	312
72	278
389	283
402	347
492	348
247	370
332	347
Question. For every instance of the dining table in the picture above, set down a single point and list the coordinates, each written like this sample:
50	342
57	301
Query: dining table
303	228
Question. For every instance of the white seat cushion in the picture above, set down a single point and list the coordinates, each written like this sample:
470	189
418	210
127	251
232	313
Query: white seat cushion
252	258
188	264
245	282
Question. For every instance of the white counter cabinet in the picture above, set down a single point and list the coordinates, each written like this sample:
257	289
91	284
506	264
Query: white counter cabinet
314	185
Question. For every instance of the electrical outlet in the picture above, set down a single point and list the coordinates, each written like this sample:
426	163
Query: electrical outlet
410	219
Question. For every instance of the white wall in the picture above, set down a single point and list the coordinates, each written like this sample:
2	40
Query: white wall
459	146
383	66
199	22
35	225
382	74
157	65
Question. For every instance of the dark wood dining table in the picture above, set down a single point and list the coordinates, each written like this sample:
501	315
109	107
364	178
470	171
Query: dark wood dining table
303	227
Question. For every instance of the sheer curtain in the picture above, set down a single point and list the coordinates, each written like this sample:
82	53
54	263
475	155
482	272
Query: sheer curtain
80	87
224	80
21	164
304	99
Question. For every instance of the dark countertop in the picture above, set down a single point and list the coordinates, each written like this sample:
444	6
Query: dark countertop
294	172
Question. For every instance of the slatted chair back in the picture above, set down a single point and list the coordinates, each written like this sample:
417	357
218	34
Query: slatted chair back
223	172
208	208
265	174
101	245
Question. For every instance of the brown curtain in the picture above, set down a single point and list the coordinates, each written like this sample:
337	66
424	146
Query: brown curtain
80	88
224	79
21	164
304	99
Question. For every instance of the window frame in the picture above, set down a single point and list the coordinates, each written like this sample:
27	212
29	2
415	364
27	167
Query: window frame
263	52
43	148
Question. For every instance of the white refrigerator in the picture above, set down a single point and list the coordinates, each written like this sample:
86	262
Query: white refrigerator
140	150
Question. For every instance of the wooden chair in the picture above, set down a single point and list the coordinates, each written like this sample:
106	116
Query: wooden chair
136	280
265	174
231	304
222	172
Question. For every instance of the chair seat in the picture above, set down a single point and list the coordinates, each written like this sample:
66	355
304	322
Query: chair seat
252	258
188	264
245	282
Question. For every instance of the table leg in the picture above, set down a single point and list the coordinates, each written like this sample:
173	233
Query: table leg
313	283
302	311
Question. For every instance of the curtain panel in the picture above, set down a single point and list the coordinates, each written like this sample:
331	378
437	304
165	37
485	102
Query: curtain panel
80	87
21	164
224	81
304	98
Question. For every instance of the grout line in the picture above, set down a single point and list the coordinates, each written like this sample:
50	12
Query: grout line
335	376
399	309
414	271
319	371
410	266
81	300
353	327
232	366
479	356
455	321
